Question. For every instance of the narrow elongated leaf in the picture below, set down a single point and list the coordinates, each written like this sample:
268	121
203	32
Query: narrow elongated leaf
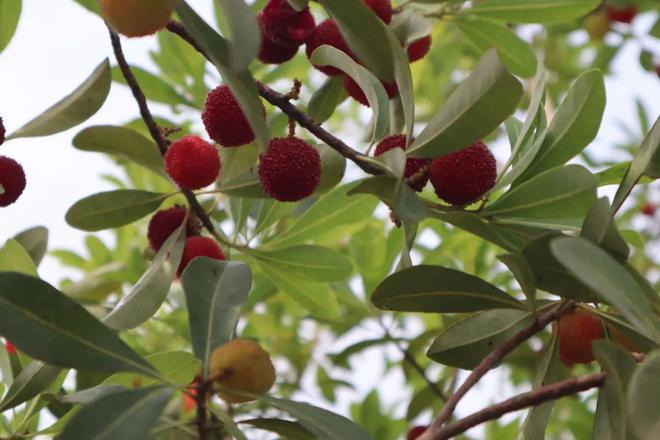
642	398
600	228
396	194
126	415
10	12
534	11
215	292
122	142
465	343
112	209
478	106
35	242
326	98
13	258
313	263
285	428
245	33
47	325
609	280
524	274
516	53
435	289
77	107
177	367
155	88
31	381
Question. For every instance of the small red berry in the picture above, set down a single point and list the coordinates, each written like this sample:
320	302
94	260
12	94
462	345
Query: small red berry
414	166
224	120
327	33
192	162
648	209
416	432
290	169
382	8
12	179
199	247
355	92
272	52
462	177
284	25
418	49
166	221
576	332
11	349
2	132
657	70
622	15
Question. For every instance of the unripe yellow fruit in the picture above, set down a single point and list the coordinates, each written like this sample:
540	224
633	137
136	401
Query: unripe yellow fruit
597	25
242	365
137	18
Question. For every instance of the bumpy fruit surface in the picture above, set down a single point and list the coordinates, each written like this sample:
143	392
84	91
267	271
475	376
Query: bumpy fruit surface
242	365
137	18
418	49
597	25
462	177
192	162
328	33
12	179
166	221
355	92
272	52
199	247
416	432
224	120
577	330
622	15
382	8
2	132
414	172
284	25
290	169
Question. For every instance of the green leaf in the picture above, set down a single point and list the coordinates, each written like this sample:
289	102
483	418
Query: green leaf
326	98
47	325
245	33
574	125
90	5
534	11
557	198
480	103
126	415
285	428
516	53
323	424
308	262
524	274
608	279
112	209
122	142
10	12
396	194
177	367
465	343
642	398
13	258
74	109
149	292
246	184
435	289
298	5
370	85
333	168
35	242
32	380
154	87
600	228
215	292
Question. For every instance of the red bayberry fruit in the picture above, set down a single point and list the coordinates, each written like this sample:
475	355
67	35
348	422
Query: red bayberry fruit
11	349
414	166
224	120
272	52
382	8
355	92
192	162
290	169
576	332
2	132
462	177
12	179
418	49
648	209
328	33
166	221
416	432
657	70
199	247
284	25
622	15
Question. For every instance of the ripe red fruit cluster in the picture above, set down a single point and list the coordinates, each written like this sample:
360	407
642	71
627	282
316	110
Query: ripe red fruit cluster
382	8
192	162
463	177
622	15
283	31
2	132
290	169
199	247
224	120
416	432
12	179
577	330
166	221
416	171
418	49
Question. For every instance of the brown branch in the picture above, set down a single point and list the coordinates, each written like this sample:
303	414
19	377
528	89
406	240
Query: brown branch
524	400
283	103
491	360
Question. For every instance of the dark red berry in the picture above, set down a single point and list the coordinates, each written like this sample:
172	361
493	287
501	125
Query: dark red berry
328	33
11	349
199	247
290	169
382	8
192	162
622	15
274	53
224	120
419	49
648	209
2	132
355	92
577	330
416	171
462	177
284	25
415	432
12	179
166	221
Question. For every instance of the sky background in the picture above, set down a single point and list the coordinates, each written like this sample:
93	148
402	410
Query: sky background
58	44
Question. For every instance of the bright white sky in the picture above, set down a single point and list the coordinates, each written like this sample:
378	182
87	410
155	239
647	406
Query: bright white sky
57	45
